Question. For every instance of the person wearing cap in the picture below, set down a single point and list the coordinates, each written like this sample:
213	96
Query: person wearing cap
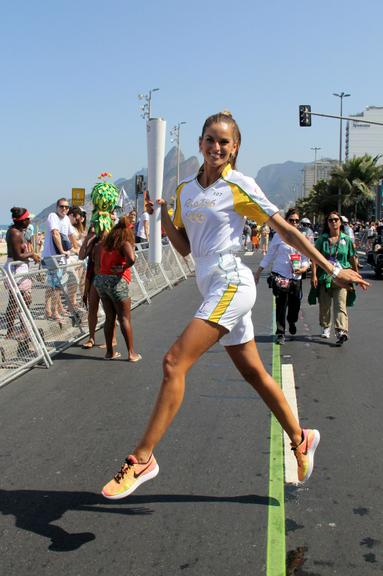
347	229
18	251
307	230
28	234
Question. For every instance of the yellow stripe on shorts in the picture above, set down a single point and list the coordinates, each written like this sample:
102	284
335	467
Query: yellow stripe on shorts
223	304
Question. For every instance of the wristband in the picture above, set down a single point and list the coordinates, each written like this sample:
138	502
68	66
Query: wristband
335	271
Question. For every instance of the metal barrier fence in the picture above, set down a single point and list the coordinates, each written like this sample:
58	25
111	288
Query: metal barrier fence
42	311
20	346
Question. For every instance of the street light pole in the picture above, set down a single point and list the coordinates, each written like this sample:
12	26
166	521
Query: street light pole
146	110
175	133
340	96
315	148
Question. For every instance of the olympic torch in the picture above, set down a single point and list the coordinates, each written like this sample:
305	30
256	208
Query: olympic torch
156	131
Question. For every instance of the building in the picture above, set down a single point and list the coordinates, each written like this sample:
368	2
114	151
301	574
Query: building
315	171
364	138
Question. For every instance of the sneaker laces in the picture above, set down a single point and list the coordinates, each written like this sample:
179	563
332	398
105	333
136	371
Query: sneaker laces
298	453
124	470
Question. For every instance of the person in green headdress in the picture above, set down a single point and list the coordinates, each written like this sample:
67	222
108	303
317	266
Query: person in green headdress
104	196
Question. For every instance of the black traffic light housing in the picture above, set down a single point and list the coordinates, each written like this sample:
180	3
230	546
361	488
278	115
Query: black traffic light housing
139	184
304	115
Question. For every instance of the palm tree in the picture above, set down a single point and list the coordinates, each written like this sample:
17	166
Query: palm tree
357	180
321	199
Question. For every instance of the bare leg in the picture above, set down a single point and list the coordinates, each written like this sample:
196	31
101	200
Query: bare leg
93	304
56	303
48	301
122	308
247	360
196	339
10	315
110	320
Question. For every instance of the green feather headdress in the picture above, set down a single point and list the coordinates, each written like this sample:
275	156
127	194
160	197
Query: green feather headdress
104	197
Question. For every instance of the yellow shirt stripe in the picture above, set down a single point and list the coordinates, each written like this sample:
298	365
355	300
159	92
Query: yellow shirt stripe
244	205
177	220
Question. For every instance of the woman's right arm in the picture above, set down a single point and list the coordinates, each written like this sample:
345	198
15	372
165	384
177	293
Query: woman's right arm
87	246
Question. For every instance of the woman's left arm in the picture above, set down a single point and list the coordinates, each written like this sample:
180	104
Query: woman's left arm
129	254
343	278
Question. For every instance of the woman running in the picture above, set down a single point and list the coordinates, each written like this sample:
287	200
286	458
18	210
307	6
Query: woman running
208	222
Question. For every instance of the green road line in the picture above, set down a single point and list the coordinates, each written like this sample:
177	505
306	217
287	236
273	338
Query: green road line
276	537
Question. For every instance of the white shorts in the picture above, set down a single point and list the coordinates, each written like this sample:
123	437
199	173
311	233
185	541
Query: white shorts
229	293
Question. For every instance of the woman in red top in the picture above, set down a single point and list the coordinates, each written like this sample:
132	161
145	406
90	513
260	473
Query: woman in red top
114	257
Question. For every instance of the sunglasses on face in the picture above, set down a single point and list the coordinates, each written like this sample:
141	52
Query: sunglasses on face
294	220
333	220
66	206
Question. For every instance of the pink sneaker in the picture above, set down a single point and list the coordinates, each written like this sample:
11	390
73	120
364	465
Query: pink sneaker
304	453
131	475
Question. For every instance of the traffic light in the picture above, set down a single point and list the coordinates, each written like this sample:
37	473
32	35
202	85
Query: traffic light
304	115
139	184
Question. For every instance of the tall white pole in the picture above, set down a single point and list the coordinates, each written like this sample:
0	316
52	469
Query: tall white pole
156	131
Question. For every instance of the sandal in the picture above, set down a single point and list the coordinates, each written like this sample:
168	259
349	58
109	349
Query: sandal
89	344
139	357
114	357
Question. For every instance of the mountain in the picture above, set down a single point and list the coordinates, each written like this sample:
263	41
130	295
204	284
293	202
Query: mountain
282	183
187	168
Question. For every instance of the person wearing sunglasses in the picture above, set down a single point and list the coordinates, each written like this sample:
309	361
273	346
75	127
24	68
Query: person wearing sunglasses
59	239
337	247
287	266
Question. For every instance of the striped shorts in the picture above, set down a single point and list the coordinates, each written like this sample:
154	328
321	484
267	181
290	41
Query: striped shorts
229	294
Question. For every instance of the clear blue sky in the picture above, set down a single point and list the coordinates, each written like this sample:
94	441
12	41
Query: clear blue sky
71	72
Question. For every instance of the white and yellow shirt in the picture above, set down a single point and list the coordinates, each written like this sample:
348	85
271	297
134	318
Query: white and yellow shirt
214	217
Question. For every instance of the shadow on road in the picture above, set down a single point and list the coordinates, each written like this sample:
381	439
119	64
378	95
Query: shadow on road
35	510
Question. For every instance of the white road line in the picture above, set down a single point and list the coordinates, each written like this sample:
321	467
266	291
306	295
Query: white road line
288	387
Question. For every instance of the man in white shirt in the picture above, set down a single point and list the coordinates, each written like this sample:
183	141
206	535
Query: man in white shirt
58	234
58	224
143	227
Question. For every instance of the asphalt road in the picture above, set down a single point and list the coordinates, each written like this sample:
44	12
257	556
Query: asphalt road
66	430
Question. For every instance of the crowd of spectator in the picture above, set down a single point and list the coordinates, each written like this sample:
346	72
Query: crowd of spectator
81	268
68	241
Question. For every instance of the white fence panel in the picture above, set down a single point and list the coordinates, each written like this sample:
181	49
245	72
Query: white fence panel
20	345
